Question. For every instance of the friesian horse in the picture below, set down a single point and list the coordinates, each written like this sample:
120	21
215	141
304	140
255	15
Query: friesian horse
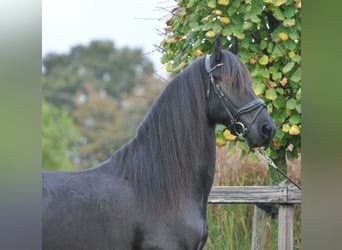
152	193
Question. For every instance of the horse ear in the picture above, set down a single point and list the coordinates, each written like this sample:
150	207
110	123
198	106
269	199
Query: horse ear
234	45
217	48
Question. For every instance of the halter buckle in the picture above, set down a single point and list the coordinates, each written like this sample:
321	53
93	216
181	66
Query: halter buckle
239	129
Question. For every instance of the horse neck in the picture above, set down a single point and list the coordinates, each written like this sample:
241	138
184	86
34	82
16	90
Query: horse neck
172	156
179	172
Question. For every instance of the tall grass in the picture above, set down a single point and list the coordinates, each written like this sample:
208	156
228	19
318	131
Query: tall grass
230	226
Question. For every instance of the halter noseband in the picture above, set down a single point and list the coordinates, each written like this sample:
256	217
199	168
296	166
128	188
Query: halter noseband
236	127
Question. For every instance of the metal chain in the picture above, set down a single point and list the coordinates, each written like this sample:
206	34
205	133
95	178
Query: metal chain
271	163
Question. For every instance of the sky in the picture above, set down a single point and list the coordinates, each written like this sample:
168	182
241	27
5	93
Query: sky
133	23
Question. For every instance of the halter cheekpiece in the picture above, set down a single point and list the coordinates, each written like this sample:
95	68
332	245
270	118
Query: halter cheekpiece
236	127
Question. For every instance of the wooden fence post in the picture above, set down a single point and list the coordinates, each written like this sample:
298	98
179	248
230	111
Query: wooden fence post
285	227
259	229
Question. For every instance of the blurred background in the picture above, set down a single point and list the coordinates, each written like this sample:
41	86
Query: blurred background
101	72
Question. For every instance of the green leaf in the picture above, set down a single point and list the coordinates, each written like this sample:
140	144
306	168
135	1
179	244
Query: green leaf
263	60
274	69
259	88
223	2
191	3
290	45
296	76
276	76
270	47
276	52
212	4
285	128
207	26
239	35
227	30
264	73
278	14
280	102
293	33
245	8
295	119
280	134
297	59
289	11
280	91
271	94
237	4
217	28
263	44
278	2
255	18
247	25
231	11
243	56
193	24
291	104
288	67
299	94
289	22
220	128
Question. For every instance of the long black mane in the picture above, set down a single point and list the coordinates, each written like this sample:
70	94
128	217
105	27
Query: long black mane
161	159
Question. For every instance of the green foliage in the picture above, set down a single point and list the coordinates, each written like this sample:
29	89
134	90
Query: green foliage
99	120
116	71
106	90
59	138
106	124
269	34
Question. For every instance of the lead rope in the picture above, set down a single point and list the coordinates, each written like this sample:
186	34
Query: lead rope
271	163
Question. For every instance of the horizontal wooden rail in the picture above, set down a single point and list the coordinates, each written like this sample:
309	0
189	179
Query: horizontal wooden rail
286	196
255	194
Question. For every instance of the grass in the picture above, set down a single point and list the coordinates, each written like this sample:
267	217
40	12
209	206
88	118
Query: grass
230	226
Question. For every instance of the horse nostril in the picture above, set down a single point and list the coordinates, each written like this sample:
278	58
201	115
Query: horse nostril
266	130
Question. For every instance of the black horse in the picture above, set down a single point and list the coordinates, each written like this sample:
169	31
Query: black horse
153	192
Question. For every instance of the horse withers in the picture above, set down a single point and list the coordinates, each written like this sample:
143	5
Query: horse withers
152	193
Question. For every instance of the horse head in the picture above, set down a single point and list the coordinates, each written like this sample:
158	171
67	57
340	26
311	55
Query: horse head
231	99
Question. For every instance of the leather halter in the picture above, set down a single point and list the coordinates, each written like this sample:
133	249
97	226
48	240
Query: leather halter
236	127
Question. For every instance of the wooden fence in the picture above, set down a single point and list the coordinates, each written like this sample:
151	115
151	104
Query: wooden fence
285	196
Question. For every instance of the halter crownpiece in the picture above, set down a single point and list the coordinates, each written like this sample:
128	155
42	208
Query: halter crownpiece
236	127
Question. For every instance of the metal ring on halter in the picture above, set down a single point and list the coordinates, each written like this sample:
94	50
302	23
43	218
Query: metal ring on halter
240	129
